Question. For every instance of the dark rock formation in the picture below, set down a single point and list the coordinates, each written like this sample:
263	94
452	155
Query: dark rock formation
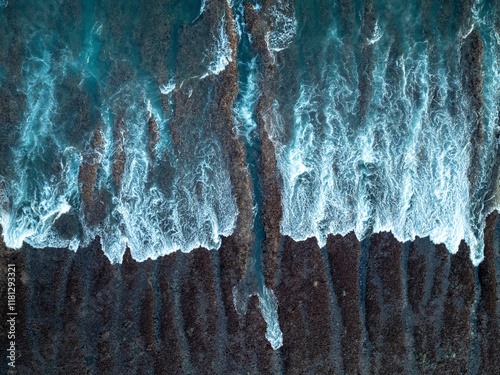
303	311
488	329
384	305
258	26
92	201
154	137
79	314
344	257
428	270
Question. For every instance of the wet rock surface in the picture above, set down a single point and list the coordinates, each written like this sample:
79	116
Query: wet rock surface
258	27
414	309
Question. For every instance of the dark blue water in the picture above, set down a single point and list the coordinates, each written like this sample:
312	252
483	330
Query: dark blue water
246	126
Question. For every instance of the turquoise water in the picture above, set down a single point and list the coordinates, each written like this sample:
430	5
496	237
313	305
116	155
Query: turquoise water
385	118
86	67
384	132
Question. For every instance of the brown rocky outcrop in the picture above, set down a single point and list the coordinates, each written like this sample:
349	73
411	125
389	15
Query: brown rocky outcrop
80	314
258	24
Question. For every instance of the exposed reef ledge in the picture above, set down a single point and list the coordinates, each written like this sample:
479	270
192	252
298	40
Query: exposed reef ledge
379	305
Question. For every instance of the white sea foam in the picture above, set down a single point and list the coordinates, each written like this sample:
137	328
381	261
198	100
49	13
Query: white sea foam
221	52
244	107
283	28
33	201
405	169
198	210
168	88
203	6
154	222
377	35
268	305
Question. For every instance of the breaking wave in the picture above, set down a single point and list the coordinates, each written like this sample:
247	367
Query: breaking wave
91	106
384	134
382	120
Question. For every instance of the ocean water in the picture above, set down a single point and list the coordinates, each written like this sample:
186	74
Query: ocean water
96	66
391	120
386	118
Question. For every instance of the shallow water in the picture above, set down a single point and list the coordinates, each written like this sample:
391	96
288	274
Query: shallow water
385	119
88	67
387	133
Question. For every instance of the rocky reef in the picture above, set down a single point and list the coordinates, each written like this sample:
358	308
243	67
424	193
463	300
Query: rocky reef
378	306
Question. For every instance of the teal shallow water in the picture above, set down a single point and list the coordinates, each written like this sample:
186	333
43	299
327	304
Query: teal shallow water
386	119
388	132
85	67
